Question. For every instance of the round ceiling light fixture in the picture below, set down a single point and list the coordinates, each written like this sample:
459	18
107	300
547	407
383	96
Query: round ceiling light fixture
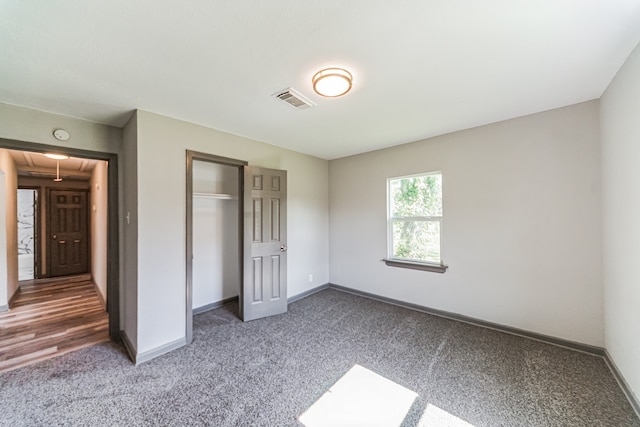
56	156
332	82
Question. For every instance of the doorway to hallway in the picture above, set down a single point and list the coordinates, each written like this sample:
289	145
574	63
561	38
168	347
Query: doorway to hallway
102	252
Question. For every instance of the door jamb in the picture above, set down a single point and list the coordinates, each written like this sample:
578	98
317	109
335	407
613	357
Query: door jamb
113	237
211	158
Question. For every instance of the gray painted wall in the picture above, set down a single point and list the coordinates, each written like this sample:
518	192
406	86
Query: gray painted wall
620	118
521	225
129	232
161	214
24	124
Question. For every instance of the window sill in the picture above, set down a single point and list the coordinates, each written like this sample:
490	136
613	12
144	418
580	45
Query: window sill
416	265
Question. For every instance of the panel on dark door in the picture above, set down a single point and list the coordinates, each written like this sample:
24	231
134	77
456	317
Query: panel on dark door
68	240
264	291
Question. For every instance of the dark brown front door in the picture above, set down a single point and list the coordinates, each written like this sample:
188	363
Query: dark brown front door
68	232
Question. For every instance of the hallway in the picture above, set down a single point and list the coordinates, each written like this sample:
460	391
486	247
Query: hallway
51	317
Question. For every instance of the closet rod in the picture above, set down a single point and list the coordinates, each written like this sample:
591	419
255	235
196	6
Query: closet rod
216	196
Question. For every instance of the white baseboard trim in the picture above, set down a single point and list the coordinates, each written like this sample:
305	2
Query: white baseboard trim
633	399
159	351
307	293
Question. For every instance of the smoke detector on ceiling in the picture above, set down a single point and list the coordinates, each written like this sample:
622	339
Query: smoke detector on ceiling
294	99
61	135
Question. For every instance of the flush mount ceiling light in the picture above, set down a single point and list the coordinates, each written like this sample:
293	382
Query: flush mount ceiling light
55	156
332	82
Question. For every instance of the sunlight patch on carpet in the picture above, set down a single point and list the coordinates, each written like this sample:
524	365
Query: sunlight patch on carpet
360	398
436	417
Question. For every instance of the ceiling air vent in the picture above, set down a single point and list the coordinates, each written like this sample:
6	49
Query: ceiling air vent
294	98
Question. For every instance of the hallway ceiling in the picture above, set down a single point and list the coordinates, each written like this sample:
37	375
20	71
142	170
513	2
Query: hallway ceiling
39	166
421	67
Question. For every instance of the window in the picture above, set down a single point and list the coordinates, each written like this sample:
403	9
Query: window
415	221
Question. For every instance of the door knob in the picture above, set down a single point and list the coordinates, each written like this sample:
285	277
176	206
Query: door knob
55	236
283	248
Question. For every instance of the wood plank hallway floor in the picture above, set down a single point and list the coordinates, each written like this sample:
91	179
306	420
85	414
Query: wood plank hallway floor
50	318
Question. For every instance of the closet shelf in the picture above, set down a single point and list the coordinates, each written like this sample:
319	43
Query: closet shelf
216	196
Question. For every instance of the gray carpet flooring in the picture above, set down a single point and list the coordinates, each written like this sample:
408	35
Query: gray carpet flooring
270	371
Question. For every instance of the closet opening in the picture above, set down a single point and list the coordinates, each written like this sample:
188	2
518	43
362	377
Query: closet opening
214	233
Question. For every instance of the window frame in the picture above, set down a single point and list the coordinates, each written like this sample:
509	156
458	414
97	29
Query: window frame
425	265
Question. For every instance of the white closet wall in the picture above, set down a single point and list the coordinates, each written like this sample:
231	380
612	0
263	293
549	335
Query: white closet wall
216	260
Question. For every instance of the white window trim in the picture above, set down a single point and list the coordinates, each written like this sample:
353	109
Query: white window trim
409	263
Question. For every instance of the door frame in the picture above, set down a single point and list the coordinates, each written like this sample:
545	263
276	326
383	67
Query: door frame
113	237
211	158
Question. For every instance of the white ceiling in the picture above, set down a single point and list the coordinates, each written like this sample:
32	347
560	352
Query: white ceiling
421	67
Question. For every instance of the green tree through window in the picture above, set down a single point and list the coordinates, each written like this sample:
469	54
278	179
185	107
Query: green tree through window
415	217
